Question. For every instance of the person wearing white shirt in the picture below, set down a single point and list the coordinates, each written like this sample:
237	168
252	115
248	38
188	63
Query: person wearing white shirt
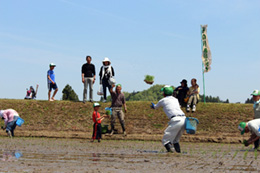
176	125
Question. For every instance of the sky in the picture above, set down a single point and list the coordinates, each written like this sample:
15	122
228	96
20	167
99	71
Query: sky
140	37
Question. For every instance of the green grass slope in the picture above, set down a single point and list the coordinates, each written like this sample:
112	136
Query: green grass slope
215	118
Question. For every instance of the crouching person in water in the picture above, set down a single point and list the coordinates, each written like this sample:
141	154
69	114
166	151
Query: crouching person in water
176	125
97	123
10	117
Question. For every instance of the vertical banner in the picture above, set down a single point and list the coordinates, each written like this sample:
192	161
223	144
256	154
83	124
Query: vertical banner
206	53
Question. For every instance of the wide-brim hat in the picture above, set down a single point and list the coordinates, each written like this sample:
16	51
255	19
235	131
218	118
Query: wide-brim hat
1	113
106	59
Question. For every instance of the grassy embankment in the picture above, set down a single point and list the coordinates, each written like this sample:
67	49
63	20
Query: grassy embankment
218	122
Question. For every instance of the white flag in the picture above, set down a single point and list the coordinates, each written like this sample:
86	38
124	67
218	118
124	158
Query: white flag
206	53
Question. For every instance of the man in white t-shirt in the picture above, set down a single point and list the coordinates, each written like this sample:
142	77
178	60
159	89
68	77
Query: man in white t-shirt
253	127
176	125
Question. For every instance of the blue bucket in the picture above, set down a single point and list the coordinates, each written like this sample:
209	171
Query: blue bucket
191	125
19	121
109	109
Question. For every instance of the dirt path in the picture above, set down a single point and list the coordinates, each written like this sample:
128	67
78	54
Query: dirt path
77	155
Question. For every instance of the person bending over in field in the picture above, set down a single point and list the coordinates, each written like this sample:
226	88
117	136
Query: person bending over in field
176	125
253	127
10	117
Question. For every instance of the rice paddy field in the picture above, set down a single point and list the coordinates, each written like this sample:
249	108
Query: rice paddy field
77	155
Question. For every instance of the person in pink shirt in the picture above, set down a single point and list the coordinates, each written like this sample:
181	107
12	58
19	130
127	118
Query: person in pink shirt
10	117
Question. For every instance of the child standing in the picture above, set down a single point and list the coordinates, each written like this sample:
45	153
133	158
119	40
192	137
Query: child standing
51	82
97	123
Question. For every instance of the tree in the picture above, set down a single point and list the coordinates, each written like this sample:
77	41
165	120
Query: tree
69	94
249	100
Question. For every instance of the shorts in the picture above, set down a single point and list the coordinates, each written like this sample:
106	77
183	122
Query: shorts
52	86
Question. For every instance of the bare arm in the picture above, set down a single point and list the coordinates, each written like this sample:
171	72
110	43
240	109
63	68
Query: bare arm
50	79
83	79
101	118
252	139
111	89
125	107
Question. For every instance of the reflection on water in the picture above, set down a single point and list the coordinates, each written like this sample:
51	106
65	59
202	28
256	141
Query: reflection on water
10	156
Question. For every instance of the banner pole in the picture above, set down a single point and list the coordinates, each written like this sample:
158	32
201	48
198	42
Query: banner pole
203	85
202	67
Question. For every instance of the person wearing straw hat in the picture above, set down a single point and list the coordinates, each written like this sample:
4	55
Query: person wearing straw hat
176	125
10	116
106	72
253	127
51	82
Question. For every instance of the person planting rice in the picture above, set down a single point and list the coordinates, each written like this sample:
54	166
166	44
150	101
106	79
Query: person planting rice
256	98
97	123
253	127
10	117
176	125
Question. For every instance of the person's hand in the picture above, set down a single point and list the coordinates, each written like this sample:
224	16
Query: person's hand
94	80
125	110
245	142
83	80
113	85
53	82
152	106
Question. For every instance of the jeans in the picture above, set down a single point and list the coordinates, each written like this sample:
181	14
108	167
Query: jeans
12	125
88	81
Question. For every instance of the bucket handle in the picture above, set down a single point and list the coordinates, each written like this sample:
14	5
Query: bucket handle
194	119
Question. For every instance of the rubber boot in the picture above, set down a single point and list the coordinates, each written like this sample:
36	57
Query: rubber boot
123	126
256	143
168	147
177	147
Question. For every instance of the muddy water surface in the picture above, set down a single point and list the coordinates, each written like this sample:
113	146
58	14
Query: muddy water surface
71	155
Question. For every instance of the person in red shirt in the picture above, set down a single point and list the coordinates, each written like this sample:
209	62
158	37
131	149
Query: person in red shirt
97	123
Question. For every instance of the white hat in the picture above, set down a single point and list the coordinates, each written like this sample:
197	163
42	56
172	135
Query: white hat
52	65
106	59
1	113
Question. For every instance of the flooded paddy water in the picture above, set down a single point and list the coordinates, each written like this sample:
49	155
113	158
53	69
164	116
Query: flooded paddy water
74	155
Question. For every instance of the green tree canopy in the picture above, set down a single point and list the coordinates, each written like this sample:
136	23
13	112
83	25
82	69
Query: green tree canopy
69	94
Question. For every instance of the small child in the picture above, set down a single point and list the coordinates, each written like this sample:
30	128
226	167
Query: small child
10	117
51	82
97	122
